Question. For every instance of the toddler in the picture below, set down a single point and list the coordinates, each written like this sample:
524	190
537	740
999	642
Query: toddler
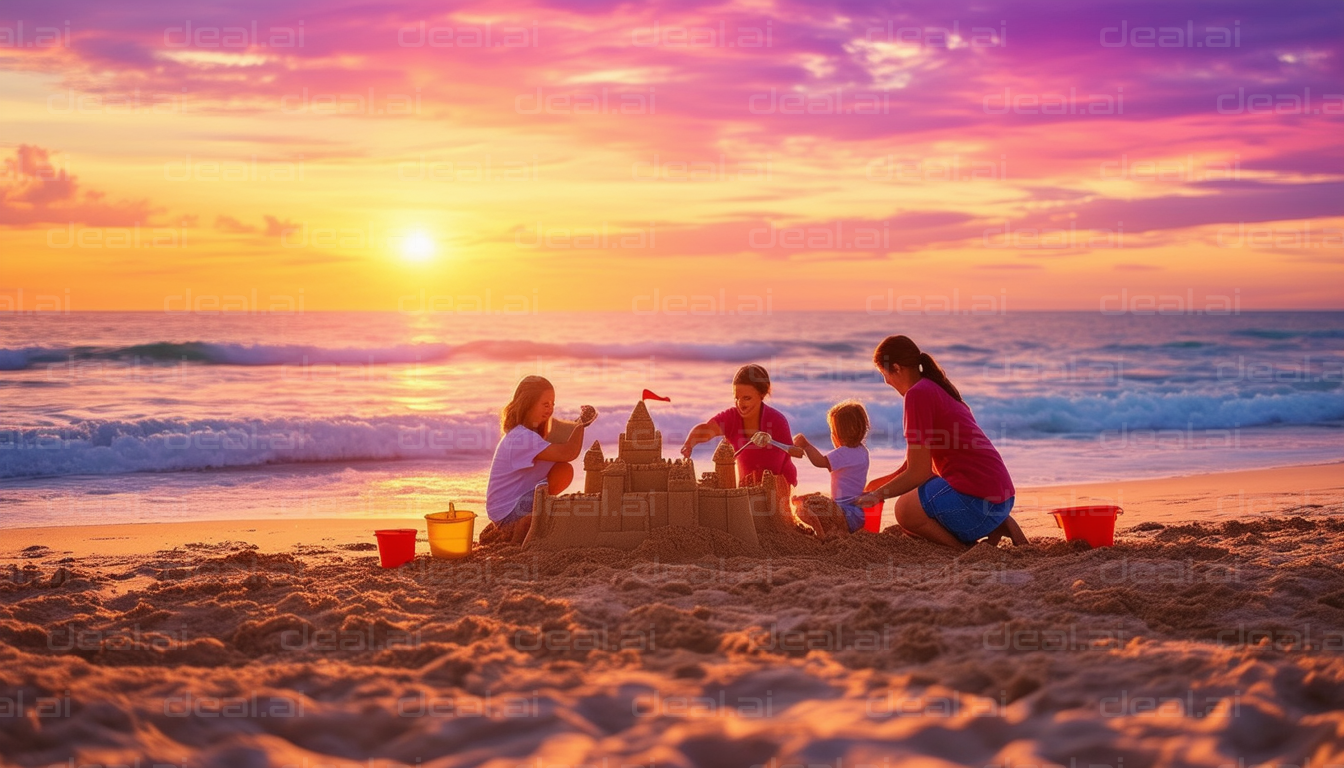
848	465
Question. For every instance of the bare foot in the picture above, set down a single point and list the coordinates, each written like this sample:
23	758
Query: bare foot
520	529
1010	529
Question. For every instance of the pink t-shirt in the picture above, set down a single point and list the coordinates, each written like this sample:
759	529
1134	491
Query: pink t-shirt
753	461
962	454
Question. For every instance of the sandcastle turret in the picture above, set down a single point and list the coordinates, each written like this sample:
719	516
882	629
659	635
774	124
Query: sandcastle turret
681	476
725	465
613	495
641	443
593	462
682	509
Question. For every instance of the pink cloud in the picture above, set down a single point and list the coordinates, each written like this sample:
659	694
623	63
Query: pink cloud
232	226
33	191
760	234
1223	202
808	76
272	226
276	227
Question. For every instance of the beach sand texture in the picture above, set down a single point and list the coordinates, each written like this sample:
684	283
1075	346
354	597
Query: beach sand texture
282	643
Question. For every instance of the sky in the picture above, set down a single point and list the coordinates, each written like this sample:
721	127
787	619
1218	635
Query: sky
681	156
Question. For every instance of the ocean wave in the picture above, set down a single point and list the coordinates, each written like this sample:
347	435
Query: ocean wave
214	353
168	445
1280	334
1029	417
1176	352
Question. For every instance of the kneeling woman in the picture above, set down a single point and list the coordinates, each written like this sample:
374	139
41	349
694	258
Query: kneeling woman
524	458
961	488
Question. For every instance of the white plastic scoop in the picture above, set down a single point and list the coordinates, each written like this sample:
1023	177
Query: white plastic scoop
761	440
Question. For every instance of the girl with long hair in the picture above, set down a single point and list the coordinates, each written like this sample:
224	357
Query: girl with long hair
524	457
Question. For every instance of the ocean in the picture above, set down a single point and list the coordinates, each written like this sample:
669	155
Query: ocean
137	417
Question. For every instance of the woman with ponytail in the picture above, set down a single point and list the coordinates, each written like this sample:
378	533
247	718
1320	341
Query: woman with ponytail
961	488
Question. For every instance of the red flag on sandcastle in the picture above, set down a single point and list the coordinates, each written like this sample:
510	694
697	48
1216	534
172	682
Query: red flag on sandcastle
649	395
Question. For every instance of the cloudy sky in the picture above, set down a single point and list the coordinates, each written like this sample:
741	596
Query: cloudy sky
586	154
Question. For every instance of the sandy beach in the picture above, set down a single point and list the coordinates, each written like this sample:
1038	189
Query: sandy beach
1212	634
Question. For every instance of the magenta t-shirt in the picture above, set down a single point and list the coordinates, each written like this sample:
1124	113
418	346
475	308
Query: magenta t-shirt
962	455
754	461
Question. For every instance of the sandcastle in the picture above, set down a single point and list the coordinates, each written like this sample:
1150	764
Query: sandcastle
639	491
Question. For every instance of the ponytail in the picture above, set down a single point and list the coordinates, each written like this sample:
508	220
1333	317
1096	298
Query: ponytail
933	372
902	351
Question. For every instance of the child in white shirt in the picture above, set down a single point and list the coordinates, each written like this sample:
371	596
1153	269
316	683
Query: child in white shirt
524	457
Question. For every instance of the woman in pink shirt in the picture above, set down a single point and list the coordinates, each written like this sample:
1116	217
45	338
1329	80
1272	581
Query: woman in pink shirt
962	489
750	415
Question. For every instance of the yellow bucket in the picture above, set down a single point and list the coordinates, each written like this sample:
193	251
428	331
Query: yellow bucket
450	532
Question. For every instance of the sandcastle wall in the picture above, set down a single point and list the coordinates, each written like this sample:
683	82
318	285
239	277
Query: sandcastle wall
624	520
648	477
683	509
632	511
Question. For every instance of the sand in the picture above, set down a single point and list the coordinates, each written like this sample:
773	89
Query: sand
1209	643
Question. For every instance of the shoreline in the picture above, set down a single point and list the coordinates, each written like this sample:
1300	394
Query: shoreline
1209	497
1157	478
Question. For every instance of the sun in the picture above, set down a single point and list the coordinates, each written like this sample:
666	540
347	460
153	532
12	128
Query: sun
417	247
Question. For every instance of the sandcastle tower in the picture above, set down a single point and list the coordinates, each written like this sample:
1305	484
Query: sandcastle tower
641	443
592	469
725	465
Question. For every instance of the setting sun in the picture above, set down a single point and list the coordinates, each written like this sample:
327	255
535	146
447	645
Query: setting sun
417	247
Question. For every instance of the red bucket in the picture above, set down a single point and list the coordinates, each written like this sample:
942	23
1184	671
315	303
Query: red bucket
396	546
1095	525
872	518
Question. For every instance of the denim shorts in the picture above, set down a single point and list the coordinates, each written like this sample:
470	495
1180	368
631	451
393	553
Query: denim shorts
966	517
520	510
853	514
